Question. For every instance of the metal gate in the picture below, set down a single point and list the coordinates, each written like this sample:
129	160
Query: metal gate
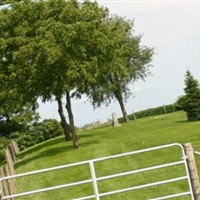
94	180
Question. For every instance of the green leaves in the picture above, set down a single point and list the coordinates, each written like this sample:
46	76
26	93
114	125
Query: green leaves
124	60
190	103
49	48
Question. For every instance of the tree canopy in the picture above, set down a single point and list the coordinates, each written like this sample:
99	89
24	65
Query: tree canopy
63	49
50	48
131	62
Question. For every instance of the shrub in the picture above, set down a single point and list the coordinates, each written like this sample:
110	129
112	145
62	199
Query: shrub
38	133
49	128
26	139
180	103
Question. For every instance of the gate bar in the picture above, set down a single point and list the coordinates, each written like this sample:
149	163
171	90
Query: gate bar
46	189
140	170
94	180
143	186
172	196
94	160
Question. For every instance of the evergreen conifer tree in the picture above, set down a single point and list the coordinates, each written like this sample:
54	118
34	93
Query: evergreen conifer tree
192	98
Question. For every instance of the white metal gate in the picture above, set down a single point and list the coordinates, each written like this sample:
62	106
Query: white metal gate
95	180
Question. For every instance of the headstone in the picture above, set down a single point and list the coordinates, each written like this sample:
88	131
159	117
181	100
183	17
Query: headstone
134	115
164	108
115	122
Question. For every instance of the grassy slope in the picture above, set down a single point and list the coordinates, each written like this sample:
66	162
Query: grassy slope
139	134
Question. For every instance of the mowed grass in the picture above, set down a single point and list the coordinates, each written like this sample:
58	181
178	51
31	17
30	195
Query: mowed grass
135	135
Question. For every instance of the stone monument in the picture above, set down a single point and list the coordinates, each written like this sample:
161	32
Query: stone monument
115	122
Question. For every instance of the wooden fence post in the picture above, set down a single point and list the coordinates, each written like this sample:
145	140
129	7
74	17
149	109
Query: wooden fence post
1	187
8	187
5	183
12	152
9	162
192	170
15	147
1	184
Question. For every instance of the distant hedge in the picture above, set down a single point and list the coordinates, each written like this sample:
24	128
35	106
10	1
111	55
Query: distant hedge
151	112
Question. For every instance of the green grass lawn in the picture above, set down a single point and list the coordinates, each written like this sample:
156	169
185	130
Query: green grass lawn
135	135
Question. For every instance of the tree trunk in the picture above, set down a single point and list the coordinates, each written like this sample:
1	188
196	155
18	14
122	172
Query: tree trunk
71	120
64	123
121	103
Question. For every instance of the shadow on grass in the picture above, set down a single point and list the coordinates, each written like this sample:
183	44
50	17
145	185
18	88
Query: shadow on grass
41	146
186	121
48	153
89	143
181	122
85	136
51	151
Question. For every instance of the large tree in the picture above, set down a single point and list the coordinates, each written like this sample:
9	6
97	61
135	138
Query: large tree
54	49
131	62
62	49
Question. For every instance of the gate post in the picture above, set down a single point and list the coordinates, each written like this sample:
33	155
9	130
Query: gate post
1	184
192	170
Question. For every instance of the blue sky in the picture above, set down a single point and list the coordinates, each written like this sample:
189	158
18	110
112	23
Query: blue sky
173	29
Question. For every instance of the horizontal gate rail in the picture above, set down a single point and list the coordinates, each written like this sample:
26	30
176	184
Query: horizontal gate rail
144	186
94	180
47	189
140	170
172	196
